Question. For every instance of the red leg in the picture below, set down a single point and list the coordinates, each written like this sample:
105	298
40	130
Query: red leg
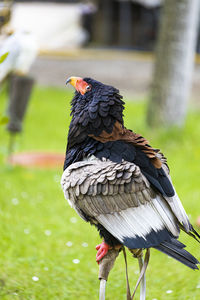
102	250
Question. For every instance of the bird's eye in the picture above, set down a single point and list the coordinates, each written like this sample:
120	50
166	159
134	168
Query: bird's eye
88	88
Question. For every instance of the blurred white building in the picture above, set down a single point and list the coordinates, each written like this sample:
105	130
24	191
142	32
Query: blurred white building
55	25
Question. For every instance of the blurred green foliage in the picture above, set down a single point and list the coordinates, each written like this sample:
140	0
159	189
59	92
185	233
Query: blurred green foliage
4	120
3	57
37	222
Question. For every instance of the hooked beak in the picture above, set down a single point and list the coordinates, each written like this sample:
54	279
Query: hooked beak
68	80
78	83
73	80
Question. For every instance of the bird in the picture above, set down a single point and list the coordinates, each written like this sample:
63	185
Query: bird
22	50
117	182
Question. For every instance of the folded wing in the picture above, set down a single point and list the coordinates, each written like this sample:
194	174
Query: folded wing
119	197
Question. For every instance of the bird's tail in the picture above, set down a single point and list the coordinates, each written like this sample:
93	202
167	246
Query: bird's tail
176	250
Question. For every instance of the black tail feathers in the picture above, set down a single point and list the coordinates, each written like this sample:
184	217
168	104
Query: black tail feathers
176	250
193	233
197	236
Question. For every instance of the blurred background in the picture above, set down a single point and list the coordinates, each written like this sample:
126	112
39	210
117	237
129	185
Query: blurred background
112	34
149	50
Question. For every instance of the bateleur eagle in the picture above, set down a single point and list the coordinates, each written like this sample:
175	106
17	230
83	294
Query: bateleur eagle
116	181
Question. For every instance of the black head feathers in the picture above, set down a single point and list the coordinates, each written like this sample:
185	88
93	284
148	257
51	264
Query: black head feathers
94	109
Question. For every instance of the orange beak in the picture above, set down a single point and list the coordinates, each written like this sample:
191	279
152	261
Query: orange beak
78	83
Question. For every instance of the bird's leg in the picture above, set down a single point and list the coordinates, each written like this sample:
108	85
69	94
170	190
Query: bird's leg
11	144
143	280
137	253
105	265
102	250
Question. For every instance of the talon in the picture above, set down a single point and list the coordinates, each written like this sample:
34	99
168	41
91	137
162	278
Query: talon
102	250
98	246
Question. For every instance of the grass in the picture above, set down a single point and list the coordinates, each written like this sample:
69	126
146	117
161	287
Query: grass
36	221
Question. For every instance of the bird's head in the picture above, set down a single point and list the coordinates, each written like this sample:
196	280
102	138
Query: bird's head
81	85
91	92
95	106
88	88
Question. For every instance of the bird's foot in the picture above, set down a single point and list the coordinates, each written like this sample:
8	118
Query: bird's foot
102	250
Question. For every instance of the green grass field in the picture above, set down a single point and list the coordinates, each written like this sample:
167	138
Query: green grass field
42	238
